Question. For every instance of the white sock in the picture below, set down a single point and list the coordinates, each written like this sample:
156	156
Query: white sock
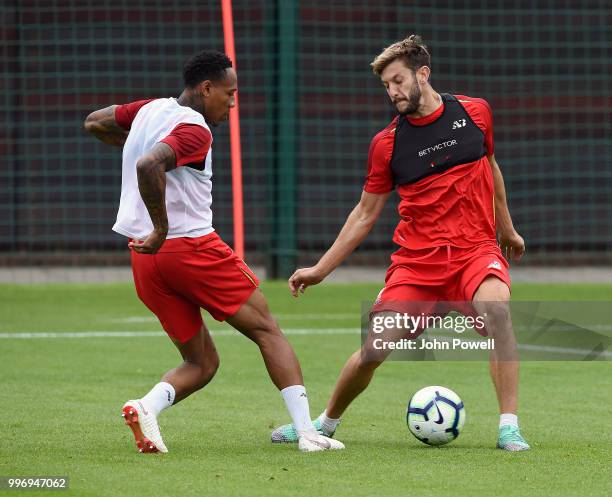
328	425
159	398
297	405
508	419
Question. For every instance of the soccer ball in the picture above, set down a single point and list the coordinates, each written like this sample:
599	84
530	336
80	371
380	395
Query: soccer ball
435	415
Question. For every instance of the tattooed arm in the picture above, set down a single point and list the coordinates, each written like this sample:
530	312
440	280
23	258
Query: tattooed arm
151	170
101	123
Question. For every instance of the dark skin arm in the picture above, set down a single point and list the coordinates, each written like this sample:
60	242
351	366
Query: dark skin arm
151	171
101	124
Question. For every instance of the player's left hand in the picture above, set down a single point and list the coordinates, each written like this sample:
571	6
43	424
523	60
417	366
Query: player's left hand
151	244
512	245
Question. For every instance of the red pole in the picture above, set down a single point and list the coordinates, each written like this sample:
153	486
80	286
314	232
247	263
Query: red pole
235	149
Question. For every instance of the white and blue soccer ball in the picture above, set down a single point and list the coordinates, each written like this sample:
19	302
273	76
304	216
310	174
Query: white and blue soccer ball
435	415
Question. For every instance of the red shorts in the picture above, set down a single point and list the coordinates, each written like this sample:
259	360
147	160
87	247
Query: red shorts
188	274
417	279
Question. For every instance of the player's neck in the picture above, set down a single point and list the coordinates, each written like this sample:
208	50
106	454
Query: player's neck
191	99
430	101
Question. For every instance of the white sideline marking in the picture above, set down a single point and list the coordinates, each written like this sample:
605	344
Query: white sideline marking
563	350
286	317
290	331
133	319
132	334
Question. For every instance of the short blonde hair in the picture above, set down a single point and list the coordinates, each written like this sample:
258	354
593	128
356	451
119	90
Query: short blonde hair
411	50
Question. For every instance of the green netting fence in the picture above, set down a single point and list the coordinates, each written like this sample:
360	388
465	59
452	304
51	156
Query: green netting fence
309	107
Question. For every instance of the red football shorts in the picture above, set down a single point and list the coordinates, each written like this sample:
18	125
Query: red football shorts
188	274
417	279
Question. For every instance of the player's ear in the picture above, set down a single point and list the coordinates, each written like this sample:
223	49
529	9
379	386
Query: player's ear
423	74
204	88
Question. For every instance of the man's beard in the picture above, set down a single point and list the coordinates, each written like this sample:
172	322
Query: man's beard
414	99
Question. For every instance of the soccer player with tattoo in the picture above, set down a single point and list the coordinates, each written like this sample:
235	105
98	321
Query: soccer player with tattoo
179	262
438	154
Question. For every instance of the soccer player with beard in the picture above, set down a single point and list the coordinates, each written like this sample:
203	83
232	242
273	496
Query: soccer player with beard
438	154
179	262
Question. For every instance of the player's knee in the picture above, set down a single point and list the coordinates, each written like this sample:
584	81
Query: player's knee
374	352
211	366
370	365
206	371
271	326
368	359
498	318
266	331
492	289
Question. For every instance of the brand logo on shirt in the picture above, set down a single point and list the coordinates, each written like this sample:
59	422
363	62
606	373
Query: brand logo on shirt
494	265
439	146
459	124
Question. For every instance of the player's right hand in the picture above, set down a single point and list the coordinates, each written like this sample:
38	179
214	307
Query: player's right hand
303	278
151	244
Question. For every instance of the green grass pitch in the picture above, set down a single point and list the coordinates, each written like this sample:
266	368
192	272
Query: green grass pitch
61	400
